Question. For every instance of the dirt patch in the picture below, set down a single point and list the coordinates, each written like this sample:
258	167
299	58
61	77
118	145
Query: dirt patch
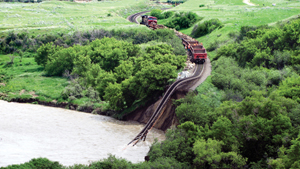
32	93
2	84
22	91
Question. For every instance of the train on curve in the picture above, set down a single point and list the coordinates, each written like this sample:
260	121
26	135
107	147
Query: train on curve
195	49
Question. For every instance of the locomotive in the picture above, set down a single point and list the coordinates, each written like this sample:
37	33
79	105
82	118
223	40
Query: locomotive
149	20
196	50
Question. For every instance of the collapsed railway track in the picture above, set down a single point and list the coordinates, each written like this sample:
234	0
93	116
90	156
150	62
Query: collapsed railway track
199	68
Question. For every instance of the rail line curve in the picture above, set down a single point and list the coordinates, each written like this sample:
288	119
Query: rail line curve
159	110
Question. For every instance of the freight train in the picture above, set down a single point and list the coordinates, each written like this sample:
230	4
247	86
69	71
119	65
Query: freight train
195	49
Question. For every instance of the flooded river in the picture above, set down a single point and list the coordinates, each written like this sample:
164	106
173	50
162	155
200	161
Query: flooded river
30	131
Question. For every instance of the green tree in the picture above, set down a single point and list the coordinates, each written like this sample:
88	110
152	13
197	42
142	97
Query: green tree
113	94
209	155
152	77
60	61
44	52
290	88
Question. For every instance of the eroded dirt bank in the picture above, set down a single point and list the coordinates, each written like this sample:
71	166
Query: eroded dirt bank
30	131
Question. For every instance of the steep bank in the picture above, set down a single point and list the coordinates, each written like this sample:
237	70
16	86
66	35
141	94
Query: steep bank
168	117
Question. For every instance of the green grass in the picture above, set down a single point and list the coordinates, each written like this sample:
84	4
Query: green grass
235	14
29	76
67	17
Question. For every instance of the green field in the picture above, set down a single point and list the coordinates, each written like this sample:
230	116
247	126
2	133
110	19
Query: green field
62	16
235	14
29	77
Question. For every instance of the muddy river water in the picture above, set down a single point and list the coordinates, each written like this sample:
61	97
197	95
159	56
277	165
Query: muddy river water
30	131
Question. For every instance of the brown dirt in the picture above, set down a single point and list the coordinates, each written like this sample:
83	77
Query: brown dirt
168	118
32	93
22	91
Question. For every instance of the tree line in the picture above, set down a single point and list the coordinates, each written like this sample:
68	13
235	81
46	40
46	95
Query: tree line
120	72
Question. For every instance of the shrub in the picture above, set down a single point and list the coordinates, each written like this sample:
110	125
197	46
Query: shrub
157	13
168	14
202	5
60	61
183	20
37	163
206	27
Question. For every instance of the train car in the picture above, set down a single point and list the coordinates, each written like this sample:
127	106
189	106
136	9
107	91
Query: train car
149	21
196	50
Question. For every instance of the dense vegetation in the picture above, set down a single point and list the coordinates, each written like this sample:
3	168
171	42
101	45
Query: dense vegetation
206	27
109	163
119	71
183	20
159	15
124	68
246	114
179	20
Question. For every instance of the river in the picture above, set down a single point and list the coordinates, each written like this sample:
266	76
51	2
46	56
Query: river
30	131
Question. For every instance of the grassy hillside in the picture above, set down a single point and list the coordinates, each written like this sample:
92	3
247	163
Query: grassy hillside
61	16
235	14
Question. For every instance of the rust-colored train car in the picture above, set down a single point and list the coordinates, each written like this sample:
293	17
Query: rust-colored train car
196	49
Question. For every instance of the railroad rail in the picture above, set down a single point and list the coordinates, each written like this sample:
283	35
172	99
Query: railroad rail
158	112
160	108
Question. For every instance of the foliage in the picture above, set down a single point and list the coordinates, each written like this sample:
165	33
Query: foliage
288	158
175	146
198	108
209	155
14	42
290	88
266	47
159	15
206	27
237	79
36	163
118	70
183	20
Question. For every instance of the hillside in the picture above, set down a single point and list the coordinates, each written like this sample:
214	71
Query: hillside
234	14
67	17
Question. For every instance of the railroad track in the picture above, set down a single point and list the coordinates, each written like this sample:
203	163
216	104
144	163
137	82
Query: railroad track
160	108
133	17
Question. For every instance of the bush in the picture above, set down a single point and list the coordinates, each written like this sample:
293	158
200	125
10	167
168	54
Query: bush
202	5
206	27
60	61
168	14
183	20
157	13
37	163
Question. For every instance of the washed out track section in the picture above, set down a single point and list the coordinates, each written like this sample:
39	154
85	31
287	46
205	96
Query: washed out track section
159	110
186	83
